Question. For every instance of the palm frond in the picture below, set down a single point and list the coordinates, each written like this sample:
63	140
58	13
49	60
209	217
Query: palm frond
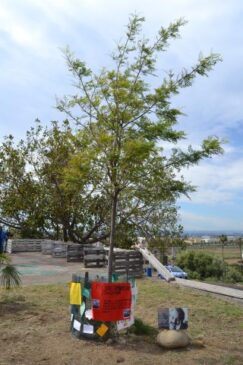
10	277
4	259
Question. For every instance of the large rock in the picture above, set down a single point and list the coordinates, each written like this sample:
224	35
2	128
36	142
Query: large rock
172	339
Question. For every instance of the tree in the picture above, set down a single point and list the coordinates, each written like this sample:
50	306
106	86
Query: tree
171	237
9	276
126	119
223	239
42	193
240	244
33	194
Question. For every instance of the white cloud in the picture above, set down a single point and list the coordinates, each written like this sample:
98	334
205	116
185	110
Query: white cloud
23	31
216	183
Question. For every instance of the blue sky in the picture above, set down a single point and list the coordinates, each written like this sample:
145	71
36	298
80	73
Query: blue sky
33	73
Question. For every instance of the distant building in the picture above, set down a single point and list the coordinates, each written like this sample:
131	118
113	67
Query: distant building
201	239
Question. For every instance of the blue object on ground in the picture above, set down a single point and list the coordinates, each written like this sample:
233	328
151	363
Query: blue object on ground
149	272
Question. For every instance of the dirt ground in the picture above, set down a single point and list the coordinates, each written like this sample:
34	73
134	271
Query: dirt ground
35	329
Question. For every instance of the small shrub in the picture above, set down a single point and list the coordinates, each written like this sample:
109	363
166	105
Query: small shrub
233	275
139	328
193	275
200	265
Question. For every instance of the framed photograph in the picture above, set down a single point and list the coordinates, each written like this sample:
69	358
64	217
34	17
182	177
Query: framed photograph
173	318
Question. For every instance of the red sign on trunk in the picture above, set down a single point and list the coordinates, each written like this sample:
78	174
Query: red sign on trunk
111	301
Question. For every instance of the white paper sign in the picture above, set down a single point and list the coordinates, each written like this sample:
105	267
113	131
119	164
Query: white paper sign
71	317
76	325
135	291
121	325
87	328
88	314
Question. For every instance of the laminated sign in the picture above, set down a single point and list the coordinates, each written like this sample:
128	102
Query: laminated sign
75	293
111	301
173	318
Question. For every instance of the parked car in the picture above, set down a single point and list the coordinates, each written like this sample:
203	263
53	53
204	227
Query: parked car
177	272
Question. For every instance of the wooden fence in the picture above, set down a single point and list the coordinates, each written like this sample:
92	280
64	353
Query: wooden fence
46	247
94	257
129	263
59	249
27	245
75	252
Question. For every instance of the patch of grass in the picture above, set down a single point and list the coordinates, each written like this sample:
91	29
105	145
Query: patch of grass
231	360
10	298
207	314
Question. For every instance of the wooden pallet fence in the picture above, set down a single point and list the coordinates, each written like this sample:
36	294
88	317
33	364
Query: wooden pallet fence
46	247
129	263
59	249
26	245
75	252
94	257
9	246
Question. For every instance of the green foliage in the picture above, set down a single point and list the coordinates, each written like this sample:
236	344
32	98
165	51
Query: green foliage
239	242
139	328
38	196
200	265
223	239
194	275
9	276
233	275
163	240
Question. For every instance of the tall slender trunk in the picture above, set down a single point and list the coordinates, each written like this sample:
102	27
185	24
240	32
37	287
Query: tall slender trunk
112	235
65	234
223	251
57	232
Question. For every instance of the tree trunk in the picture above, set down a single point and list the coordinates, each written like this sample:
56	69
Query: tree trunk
57	232
112	236
65	234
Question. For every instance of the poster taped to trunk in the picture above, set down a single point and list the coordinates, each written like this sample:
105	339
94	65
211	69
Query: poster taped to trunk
111	301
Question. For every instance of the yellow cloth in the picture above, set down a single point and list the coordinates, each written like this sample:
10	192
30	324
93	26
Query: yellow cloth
75	293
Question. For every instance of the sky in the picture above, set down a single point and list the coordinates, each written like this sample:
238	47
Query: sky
33	73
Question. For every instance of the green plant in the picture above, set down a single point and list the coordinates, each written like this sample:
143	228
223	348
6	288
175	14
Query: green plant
193	275
9	275
141	329
200	265
233	275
